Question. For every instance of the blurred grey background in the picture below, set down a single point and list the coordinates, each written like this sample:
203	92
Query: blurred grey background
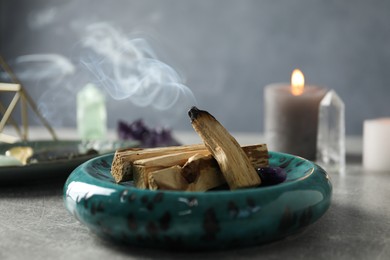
224	51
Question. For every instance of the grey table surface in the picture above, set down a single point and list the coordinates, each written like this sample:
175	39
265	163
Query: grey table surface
34	224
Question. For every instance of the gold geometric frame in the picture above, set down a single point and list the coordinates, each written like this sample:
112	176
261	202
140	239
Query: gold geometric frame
24	98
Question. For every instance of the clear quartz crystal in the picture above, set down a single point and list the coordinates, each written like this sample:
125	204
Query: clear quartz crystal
331	133
91	113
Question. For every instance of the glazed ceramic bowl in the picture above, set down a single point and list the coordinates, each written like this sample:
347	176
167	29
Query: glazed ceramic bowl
198	220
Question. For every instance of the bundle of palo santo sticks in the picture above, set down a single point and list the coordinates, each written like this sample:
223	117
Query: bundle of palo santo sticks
199	167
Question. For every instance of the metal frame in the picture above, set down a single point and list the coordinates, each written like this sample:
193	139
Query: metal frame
25	100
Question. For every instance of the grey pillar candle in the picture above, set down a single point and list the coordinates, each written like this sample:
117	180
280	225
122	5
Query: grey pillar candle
291	121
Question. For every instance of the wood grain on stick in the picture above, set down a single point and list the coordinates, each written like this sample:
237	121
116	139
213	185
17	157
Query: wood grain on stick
141	168
200	172
121	168
235	166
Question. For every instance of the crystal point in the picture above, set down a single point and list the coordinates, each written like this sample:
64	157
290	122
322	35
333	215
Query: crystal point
91	113
331	133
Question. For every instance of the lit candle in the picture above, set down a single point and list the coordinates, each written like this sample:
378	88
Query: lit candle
291	116
376	144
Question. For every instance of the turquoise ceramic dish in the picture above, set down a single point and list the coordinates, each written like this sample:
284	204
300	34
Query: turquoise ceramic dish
198	220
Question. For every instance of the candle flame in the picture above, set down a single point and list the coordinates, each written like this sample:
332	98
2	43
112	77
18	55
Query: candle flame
297	82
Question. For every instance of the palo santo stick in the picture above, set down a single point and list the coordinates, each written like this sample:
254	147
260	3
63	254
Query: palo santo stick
207	175
142	168
234	164
167	179
121	168
202	173
197	164
257	154
172	179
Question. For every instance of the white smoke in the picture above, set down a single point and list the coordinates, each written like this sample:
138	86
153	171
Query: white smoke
40	18
37	67
129	68
126	68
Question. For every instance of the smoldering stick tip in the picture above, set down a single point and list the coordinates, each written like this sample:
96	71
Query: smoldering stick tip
193	113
